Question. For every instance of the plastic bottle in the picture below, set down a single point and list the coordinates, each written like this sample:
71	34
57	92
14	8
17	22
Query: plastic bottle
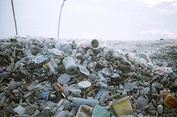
70	65
81	101
53	62
52	70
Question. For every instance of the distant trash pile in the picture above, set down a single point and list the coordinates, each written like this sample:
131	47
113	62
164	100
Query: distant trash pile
43	77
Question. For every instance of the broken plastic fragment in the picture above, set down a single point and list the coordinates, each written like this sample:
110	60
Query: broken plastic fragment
84	84
62	114
162	70
13	84
107	71
28	52
74	88
84	70
84	111
58	45
39	59
19	110
44	95
32	85
56	52
100	112
101	77
100	92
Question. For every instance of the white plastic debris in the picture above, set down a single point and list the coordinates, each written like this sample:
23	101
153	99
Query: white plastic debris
20	110
163	70
84	84
84	70
74	88
39	58
56	52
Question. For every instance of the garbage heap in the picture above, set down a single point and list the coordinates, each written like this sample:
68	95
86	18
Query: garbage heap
42	77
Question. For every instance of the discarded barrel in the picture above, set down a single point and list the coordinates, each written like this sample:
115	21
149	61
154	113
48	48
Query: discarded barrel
94	44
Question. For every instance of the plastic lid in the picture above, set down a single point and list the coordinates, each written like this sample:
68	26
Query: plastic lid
63	79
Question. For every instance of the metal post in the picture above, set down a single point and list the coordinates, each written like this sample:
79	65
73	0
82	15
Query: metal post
16	32
60	19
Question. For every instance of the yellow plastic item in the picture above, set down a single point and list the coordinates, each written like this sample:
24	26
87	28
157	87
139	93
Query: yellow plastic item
169	100
122	106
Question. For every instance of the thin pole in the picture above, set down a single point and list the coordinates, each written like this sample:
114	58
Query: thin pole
60	19
16	32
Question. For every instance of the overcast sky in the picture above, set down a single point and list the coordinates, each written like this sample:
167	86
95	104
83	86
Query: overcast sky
88	19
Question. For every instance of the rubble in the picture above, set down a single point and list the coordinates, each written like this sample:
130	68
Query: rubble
42	77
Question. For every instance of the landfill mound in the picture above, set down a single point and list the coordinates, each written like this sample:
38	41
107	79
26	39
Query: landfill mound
43	77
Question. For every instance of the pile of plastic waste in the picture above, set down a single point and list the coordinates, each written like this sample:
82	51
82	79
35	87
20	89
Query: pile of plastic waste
42	77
